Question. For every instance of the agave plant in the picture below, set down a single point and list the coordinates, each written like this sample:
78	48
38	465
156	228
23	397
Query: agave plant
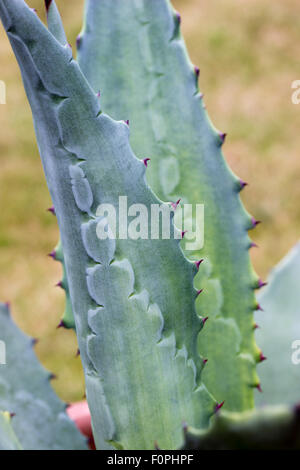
165	331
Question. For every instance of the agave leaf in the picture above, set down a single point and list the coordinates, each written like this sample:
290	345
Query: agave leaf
273	428
133	52
278	334
130	373
8	439
54	21
40	420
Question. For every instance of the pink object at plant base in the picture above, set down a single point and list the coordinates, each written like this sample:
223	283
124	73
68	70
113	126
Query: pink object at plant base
80	414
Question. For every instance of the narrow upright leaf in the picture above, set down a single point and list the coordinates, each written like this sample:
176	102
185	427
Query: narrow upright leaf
133	52
278	334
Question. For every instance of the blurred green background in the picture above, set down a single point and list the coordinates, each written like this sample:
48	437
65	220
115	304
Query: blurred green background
247	51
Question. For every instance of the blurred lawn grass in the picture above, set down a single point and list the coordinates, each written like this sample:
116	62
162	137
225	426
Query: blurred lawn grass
247	52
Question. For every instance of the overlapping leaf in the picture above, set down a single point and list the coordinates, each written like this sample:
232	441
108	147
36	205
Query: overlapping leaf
133	52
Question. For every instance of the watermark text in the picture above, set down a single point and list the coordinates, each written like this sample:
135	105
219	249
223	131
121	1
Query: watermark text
138	221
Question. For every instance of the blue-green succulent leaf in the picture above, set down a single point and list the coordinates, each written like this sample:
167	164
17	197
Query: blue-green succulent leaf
40	421
278	334
133	52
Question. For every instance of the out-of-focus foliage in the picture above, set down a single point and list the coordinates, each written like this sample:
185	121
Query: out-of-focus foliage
279	333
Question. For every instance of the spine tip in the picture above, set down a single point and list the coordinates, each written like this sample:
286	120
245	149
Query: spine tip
242	184
254	222
178	17
48	4
156	446
52	210
61	325
219	406
258	307
52	254
78	41
222	136
262	357
261	284
197	263
175	204
145	161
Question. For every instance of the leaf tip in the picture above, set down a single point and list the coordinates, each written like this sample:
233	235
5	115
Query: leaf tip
48	4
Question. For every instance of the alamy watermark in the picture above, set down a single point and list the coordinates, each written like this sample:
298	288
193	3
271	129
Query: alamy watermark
296	94
2	92
2	353
137	221
296	354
